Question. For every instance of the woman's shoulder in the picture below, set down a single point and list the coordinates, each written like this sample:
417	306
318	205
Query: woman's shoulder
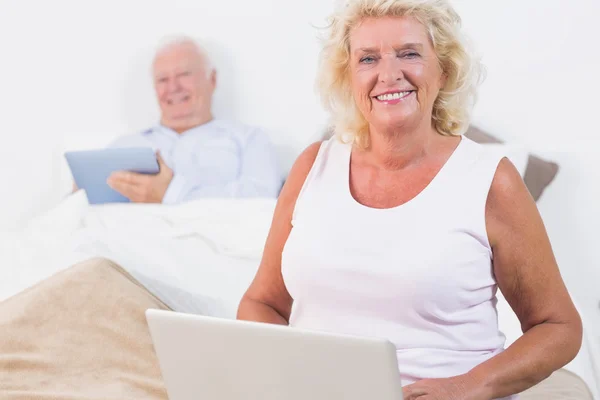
302	167
508	185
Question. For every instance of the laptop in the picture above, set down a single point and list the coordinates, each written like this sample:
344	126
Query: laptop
91	169
224	359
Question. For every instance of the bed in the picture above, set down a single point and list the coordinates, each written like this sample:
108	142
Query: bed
194	257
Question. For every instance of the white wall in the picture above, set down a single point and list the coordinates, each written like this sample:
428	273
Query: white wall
542	62
75	74
542	89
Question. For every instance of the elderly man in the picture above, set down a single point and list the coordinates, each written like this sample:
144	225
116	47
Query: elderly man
199	156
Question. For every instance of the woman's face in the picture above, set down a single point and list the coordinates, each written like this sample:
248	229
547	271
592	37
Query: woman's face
395	73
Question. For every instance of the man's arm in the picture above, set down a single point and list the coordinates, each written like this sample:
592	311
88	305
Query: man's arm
259	176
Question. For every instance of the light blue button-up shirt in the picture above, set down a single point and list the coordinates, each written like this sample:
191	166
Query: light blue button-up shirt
216	159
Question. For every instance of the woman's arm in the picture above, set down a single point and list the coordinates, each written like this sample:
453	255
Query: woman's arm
529	278
267	299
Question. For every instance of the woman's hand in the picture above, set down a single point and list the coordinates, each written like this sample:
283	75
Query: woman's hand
456	388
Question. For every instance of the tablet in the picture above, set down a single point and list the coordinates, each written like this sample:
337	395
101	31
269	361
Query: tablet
91	169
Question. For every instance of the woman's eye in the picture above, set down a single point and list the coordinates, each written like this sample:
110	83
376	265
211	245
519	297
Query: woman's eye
367	60
411	54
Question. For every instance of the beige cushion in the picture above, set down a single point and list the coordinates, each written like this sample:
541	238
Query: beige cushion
539	173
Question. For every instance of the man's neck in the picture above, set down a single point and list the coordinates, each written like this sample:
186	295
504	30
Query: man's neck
183	125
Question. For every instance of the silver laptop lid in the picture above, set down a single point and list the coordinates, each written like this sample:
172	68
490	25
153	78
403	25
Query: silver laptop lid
221	359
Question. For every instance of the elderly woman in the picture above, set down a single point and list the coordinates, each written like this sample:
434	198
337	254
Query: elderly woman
400	227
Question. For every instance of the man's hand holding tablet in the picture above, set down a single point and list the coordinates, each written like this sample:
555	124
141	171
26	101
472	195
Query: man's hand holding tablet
143	188
120	175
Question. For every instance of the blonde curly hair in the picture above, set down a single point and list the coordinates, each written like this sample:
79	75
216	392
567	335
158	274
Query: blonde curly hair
451	109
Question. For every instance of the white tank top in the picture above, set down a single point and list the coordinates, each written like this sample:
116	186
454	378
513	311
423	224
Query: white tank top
419	275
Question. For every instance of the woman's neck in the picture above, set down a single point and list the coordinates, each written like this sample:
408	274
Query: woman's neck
397	149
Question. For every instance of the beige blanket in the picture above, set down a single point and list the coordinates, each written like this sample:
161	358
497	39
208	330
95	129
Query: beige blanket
561	385
82	334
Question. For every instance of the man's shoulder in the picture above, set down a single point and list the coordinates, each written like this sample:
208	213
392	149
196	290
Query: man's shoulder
133	139
147	131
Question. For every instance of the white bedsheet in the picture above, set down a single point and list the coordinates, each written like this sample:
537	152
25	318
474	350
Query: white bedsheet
195	251
198	257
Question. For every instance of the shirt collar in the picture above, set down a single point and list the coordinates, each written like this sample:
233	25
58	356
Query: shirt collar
197	129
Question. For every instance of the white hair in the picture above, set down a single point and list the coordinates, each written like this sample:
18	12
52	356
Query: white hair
169	42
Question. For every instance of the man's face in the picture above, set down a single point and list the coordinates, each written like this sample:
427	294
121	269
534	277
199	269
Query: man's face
183	86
